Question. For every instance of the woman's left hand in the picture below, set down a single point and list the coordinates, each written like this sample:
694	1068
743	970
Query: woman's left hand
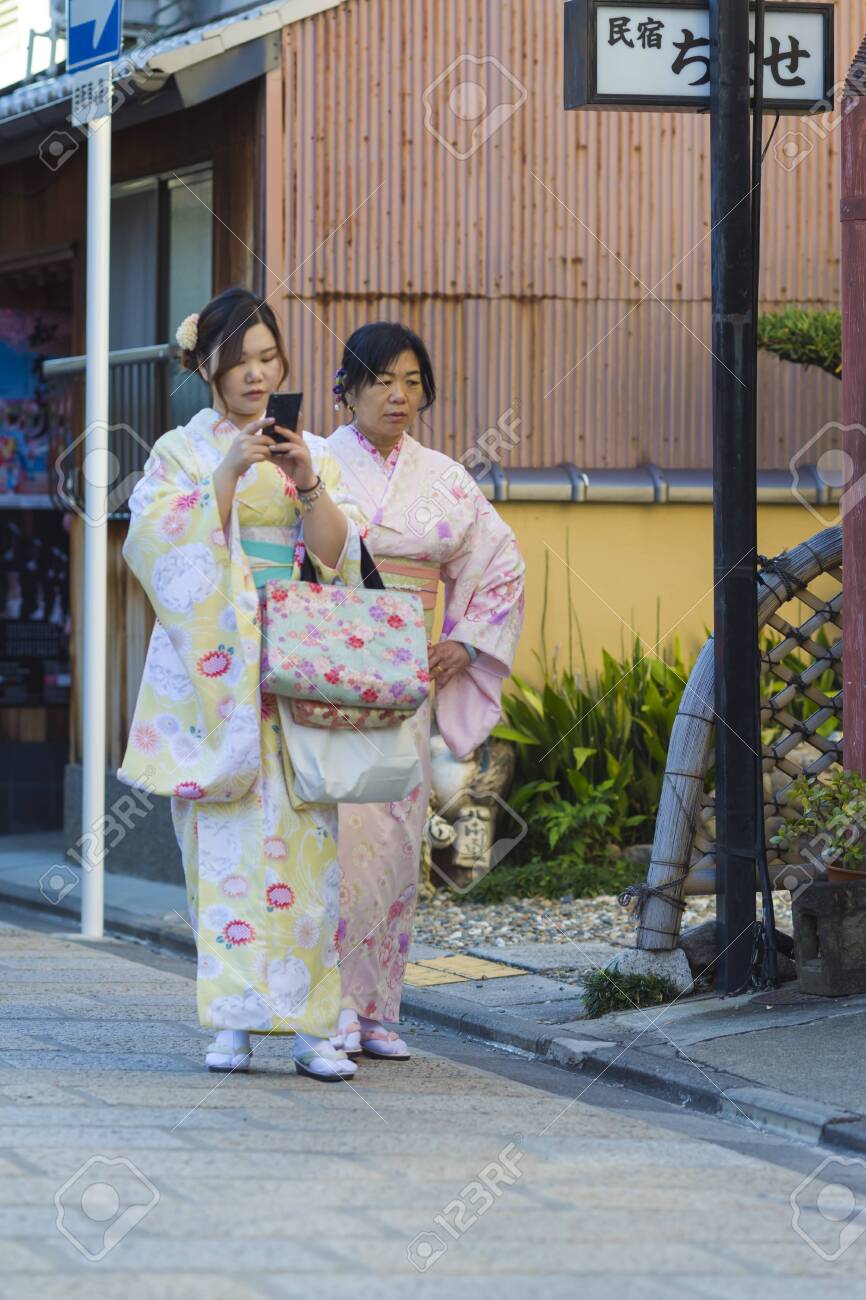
293	455
446	660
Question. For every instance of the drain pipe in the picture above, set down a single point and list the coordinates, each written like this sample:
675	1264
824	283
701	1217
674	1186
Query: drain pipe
853	218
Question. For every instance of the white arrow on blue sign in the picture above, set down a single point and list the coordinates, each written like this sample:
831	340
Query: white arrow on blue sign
94	33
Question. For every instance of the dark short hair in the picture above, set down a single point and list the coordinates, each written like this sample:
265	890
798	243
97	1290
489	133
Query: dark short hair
374	348
222	325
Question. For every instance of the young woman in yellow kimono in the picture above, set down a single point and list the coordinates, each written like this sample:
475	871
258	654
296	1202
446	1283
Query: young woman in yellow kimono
261	873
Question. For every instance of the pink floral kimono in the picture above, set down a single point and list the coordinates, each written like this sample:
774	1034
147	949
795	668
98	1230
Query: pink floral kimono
426	520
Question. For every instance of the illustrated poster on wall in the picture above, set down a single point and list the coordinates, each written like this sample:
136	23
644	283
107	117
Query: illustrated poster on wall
28	438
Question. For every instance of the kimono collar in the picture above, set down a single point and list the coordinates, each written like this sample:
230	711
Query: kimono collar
386	462
374	483
215	422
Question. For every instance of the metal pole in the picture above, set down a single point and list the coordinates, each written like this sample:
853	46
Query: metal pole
734	492
95	523
770	960
853	216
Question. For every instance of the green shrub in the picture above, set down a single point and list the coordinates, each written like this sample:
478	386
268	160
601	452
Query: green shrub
606	991
591	748
833	814
591	752
565	874
603	736
808	338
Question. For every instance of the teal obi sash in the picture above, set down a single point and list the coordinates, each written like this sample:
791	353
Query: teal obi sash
271	560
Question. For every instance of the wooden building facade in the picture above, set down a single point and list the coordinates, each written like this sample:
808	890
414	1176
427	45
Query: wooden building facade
319	152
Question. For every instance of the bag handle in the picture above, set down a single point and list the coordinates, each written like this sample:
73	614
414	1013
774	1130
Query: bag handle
370	575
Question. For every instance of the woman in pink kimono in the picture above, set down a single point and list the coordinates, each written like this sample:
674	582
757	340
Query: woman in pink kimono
426	520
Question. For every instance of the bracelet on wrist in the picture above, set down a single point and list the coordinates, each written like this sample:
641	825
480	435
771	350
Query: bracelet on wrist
312	495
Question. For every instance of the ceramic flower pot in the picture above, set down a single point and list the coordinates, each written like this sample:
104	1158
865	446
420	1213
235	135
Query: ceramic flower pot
841	874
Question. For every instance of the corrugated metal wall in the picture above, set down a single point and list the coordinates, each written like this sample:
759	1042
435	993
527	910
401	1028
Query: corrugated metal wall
524	264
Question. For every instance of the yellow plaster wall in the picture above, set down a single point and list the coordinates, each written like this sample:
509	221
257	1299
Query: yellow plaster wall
632	568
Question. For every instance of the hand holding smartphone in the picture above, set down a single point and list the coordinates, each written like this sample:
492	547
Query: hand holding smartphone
292	454
285	408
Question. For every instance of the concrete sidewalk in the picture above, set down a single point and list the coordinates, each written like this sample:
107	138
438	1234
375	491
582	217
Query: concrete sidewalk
787	1061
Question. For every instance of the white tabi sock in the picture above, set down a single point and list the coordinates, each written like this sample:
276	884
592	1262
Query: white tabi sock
324	1059
232	1040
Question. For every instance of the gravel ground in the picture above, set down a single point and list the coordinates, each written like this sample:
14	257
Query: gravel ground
459	923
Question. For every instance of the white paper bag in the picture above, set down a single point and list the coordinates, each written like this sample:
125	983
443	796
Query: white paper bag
341	765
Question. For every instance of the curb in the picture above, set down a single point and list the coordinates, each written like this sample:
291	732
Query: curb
700	1088
132	924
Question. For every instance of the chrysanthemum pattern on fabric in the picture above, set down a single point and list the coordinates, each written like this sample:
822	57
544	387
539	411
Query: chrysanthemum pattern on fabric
262	876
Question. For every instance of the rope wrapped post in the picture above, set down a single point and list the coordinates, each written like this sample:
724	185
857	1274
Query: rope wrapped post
683	852
660	900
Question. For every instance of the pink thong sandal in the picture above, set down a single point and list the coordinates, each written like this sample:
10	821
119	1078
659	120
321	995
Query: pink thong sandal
399	1053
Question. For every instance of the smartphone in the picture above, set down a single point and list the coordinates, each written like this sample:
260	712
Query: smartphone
285	409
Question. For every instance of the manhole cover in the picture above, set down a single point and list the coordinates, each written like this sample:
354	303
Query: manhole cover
787	996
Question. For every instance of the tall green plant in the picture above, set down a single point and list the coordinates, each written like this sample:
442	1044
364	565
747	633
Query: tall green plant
593	739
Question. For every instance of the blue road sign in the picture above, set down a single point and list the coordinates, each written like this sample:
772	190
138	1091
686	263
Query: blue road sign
94	33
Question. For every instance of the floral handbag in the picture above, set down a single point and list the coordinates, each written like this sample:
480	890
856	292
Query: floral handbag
345	657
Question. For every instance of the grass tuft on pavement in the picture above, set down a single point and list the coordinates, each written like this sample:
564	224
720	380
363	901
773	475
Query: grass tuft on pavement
606	991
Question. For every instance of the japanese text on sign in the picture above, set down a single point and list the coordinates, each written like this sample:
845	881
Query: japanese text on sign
664	51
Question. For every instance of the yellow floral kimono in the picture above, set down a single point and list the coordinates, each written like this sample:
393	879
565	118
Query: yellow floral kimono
261	870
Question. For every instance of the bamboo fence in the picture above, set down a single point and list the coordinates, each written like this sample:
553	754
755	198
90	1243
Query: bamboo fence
800	622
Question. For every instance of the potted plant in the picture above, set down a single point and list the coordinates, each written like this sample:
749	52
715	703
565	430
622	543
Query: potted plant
832	823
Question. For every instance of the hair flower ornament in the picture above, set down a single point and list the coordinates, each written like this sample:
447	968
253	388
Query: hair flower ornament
339	389
187	332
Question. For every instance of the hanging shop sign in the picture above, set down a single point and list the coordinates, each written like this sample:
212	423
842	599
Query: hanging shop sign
657	56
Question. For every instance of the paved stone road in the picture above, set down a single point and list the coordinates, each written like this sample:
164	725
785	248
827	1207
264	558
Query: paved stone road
177	1183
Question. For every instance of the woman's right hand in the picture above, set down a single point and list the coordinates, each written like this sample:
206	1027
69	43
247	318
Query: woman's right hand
250	446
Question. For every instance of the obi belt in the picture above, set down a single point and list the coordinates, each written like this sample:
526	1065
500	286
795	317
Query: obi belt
279	560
